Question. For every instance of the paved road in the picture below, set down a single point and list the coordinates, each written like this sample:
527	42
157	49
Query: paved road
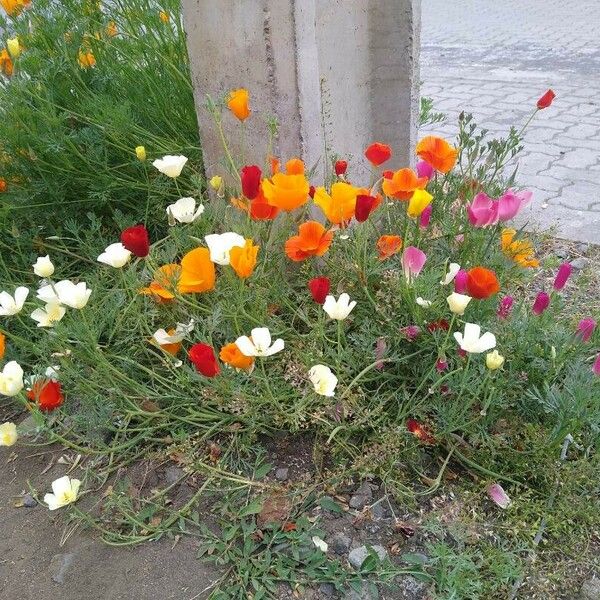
494	58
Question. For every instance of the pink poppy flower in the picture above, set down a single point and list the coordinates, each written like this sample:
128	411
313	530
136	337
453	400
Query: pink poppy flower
424	169
483	211
498	495
511	203
460	282
425	217
413	260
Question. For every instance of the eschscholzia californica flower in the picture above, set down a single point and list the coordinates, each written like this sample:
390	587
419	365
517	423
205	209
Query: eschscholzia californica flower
115	255
472	341
6	63
494	360
43	266
596	366
340	205
220	245
482	283
420	431
340	167
184	211
166	281
50	315
312	240
164	16
402	184
243	260
378	153
74	295
505	307
323	380
8	434
585	329
170	165
231	355
425	217
423	303
460	281
388	245
86	59
419	201
64	492
204	360
458	303
14	48
289	190
453	269
111	29
259	343
562	276
520	251
216	183
197	272
137	240
338	309
424	169
170	341
365	205
546	100
541	303
237	103
2	345
250	177
12	305
437	152
261	210
319	288
485	211
11	379
14	7
47	394
3	185
140	153
498	496
413	261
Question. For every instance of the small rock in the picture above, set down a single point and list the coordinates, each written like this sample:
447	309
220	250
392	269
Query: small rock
366	592
583	248
378	512
173	474
357	556
411	588
362	497
579	263
59	565
282	473
29	501
340	543
590	590
327	589
561	252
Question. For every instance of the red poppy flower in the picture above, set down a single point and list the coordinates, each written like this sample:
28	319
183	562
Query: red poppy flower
340	167
319	288
365	205
441	325
47	394
482	283
250	176
136	240
546	100
388	174
378	153
204	359
420	431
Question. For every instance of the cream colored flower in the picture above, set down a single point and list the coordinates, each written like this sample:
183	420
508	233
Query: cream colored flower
323	380
259	343
162	338
338	309
52	314
43	267
494	360
171	166
458	303
75	295
8	434
115	255
11	379
184	211
453	269
472	341
12	305
422	302
221	244
64	491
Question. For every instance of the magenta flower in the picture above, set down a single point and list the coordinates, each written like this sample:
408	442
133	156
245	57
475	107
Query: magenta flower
411	332
542	301
441	364
425	217
562	276
585	329
511	203
596	366
424	169
413	260
460	282
505	307
483	211
498	496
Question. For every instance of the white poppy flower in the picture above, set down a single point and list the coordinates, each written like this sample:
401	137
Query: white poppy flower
259	343
184	211
12	305
43	267
115	255
66	292
320	544
52	372
11	379
64	491
162	338
453	269
221	244
424	303
338	309
53	313
458	302
323	380
8	434
169	165
472	341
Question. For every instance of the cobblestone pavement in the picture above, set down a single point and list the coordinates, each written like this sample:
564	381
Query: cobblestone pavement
494	59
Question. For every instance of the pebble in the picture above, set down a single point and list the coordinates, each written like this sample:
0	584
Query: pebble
357	556
282	473
579	263
59	565
339	543
173	474
362	497
583	248
378	512
29	501
561	252
590	590
366	592
327	589
411	588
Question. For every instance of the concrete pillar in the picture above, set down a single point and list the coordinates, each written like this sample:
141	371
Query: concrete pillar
337	75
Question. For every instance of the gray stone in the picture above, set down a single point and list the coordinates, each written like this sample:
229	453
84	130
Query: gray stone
362	496
327	589
366	592
29	501
173	474
59	566
378	511
357	556
282	473
411	588
561	252
590	590
579	263
583	248
339	543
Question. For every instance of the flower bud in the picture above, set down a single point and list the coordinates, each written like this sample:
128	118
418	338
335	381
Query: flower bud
140	152
494	360
14	48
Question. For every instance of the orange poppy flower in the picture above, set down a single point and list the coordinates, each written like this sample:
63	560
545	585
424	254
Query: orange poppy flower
388	245
172	349
163	16
166	280
111	29
437	152
238	103
243	260
197	272
6	63
3	185
289	190
86	59
2	345
403	184
14	7
339	206
232	355
313	240
521	251
482	283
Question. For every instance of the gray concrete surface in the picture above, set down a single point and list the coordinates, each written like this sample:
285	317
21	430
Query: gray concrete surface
495	58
